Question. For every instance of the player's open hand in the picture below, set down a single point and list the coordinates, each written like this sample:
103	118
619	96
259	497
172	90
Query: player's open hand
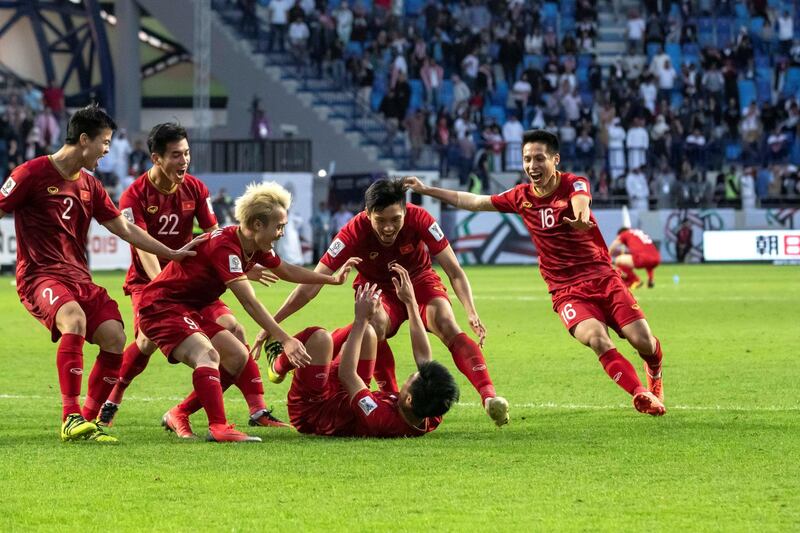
478	328
368	298
263	275
582	220
341	276
258	344
413	183
402	285
186	251
296	352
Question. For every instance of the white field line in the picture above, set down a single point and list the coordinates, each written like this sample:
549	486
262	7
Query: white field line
523	405
649	298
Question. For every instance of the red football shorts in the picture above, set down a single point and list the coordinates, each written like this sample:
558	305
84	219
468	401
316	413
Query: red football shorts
211	312
646	260
44	296
426	288
605	298
171	324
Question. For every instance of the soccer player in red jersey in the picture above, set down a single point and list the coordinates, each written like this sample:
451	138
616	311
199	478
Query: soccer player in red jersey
390	232
53	200
171	306
587	293
331	398
642	253
165	201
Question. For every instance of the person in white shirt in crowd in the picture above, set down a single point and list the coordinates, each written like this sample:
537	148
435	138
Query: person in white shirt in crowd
344	22
534	41
512	135
637	141
520	92
571	102
649	92
638	190
298	43
278	15
121	152
657	63
634	32
432	76
461	92
341	217
666	76
750	125
785	25
747	188
399	67
469	68
616	148
695	144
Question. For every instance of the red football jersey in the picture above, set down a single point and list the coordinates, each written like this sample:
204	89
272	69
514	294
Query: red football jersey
201	279
169	218
566	255
52	216
377	415
357	239
638	242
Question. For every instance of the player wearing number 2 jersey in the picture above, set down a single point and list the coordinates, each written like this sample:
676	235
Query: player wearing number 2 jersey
54	200
165	201
641	253
587	293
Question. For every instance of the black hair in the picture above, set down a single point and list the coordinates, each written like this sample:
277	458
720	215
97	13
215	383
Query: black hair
163	134
541	136
90	120
434	391
621	230
383	193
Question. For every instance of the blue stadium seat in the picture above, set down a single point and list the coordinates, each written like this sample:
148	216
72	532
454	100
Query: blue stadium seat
375	99
733	151
764	73
354	49
747	92
417	94
792	82
652	50
756	23
567	24
705	31
741	10
676	99
497	112
584	60
446	94
764	90
762	61
550	10
724	31
673	50
533	61
500	95
414	7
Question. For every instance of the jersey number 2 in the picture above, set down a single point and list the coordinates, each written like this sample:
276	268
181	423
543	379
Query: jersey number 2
69	203
48	293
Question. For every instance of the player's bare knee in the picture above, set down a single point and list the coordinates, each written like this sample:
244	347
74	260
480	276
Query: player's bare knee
320	347
239	332
380	324
644	343
145	345
234	361
115	343
208	357
71	319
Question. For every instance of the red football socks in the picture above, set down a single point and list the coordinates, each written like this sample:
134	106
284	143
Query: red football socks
366	369
313	377
384	373
282	365
469	360
69	361
207	385
650	274
621	371
192	403
630	276
653	360
102	379
249	382
133	363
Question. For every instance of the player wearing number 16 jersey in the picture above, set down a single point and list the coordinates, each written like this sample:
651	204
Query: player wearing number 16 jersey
587	293
54	200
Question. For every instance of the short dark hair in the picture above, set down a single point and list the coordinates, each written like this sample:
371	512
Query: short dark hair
434	391
622	230
163	134
541	136
383	193
90	120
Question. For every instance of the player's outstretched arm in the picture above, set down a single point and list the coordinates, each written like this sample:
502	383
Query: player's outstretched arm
140	239
460	283
297	274
293	348
580	207
420	346
367	301
615	245
460	199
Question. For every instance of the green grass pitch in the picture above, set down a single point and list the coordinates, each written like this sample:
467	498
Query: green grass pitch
576	455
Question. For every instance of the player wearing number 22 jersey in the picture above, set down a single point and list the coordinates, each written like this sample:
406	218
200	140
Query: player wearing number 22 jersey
587	293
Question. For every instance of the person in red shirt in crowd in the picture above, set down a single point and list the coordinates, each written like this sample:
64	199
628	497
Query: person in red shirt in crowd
54	199
390	232
587	293
332	398
642	253
171	307
165	201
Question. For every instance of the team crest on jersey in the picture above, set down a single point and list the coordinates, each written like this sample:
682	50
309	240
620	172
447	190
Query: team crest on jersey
152	209
367	404
128	214
436	231
373	255
235	264
407	248
52	189
527	205
336	247
580	186
187	205
8	186
86	196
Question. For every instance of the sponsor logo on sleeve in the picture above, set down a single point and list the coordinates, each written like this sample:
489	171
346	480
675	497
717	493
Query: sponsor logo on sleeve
436	231
8	186
128	214
235	264
580	186
367	405
336	247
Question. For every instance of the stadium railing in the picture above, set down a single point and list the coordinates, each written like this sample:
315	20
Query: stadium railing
248	155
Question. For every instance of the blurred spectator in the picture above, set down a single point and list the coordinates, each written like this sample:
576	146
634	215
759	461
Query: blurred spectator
638	142
278	18
616	149
321	228
222	205
415	126
747	188
683	241
341	217
512	135
634	32
49	130
637	189
139	159
120	152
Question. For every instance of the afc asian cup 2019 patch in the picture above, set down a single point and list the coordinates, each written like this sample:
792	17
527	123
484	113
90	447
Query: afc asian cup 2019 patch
336	246
128	214
235	264
580	186
8	186
367	404
210	208
436	231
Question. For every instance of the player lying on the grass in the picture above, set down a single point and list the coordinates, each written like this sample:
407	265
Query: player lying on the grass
641	253
53	200
170	311
332	398
587	293
164	201
390	232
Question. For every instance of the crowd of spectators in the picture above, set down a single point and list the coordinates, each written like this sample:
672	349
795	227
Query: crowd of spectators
705	85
